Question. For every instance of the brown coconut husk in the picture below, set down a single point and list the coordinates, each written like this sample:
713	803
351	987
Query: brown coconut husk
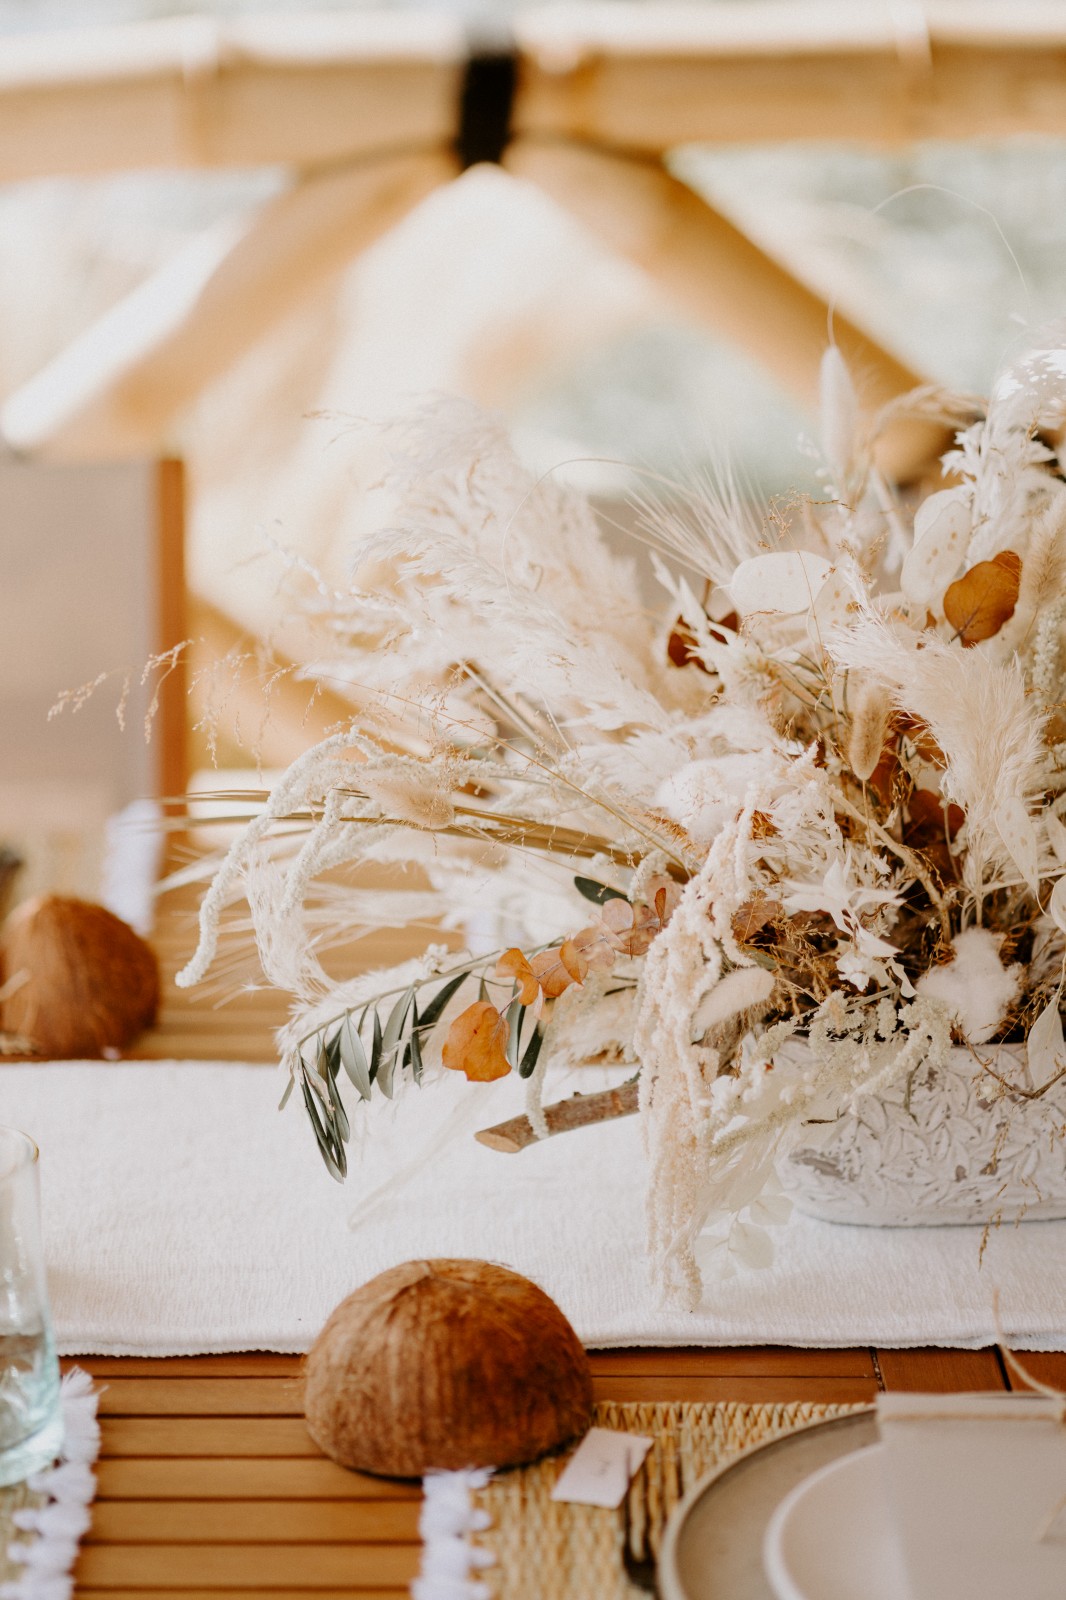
442	1365
89	983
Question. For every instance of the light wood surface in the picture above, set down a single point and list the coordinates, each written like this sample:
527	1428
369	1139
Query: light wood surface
364	110
209	1487
171	598
305	90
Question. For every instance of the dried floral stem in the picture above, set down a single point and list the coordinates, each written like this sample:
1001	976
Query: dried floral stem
1015	1088
909	858
503	828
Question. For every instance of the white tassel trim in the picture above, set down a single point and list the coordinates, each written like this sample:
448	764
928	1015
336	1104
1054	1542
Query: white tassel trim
70	1485
449	1517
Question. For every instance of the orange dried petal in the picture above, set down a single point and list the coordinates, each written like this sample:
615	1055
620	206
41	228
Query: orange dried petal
477	1043
665	895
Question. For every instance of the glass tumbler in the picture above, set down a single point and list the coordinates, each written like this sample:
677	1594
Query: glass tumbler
31	1422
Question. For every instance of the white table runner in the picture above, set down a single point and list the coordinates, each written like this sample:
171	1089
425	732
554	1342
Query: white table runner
183	1214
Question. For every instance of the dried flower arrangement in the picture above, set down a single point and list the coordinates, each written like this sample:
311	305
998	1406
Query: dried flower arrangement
813	802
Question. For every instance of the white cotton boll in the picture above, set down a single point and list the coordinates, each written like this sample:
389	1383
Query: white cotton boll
740	727
976	987
72	1481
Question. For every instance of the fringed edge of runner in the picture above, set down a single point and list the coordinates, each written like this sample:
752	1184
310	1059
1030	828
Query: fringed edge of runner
70	1485
450	1558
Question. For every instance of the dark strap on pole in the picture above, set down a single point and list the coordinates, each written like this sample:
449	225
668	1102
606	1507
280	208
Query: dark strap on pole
486	101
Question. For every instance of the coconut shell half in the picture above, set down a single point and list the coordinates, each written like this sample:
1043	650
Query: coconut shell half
442	1365
79	980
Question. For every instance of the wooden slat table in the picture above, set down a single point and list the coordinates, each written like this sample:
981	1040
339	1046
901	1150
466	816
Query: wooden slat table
210	1488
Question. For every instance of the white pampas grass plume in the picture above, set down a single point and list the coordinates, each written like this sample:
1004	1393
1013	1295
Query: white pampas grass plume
979	714
870	706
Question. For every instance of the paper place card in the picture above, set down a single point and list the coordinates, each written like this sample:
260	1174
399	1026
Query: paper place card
601	1468
976	1486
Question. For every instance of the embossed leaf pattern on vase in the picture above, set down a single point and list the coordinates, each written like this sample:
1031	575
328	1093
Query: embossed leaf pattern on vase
958	1148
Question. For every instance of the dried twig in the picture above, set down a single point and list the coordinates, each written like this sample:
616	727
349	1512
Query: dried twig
580	1111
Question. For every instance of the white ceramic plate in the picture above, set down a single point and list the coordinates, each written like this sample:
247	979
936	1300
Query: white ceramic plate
832	1539
713	1545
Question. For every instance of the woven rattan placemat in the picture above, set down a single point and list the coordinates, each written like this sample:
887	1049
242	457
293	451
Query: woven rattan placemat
545	1550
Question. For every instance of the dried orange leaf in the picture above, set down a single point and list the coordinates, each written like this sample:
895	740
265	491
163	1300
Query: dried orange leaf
753	915
664	895
477	1043
573	959
645	931
631	929
1010	561
983	599
591	944
617	916
513	964
916	732
552	973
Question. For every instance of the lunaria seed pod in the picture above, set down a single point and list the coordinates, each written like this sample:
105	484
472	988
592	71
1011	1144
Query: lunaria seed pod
446	1364
79	980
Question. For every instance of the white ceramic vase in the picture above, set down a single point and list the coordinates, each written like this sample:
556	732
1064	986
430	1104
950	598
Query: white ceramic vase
952	1147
